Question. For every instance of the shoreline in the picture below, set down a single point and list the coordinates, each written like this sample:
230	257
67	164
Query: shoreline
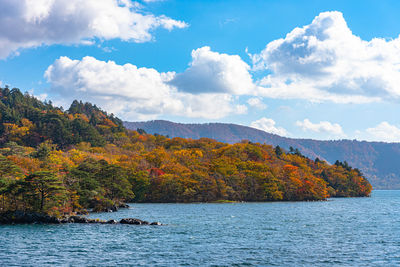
26	217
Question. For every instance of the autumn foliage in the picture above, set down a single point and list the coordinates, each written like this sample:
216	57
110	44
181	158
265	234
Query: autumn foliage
68	161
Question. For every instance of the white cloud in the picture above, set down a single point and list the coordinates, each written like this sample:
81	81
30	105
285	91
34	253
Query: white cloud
269	125
256	102
325	61
214	72
384	132
333	129
131	92
32	23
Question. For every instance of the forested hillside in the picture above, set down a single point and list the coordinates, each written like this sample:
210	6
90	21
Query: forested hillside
61	162
28	121
377	160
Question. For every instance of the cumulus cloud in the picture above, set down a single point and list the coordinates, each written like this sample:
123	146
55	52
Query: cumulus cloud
256	103
384	132
131	92
333	129
32	23
269	125
214	72
325	61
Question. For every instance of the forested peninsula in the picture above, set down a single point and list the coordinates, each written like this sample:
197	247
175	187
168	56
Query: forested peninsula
61	162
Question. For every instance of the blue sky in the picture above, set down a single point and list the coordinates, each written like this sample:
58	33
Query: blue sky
337	76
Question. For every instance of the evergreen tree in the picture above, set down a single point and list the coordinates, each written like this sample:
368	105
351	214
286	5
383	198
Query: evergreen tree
43	186
278	151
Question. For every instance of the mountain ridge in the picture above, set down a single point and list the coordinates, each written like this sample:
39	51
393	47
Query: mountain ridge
377	160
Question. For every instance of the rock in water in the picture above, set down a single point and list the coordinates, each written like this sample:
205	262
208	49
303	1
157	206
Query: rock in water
78	219
22	217
133	221
123	206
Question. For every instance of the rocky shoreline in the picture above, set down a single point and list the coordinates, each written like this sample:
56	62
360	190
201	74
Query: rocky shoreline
113	208
21	217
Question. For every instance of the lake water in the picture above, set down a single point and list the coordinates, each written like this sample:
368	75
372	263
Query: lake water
338	232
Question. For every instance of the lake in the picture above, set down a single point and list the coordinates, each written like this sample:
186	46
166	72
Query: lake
338	232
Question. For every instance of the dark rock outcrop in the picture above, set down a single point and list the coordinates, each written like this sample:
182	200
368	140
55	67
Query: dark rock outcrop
113	208
137	222
123	206
22	217
77	219
133	221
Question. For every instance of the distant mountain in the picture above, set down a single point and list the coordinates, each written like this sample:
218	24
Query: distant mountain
379	161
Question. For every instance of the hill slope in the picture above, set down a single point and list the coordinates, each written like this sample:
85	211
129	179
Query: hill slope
62	162
377	160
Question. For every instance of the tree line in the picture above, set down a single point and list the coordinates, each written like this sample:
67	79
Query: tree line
61	162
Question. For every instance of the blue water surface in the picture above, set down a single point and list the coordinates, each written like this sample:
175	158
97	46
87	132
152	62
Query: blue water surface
338	232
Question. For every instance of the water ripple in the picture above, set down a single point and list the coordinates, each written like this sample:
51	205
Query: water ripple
340	232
